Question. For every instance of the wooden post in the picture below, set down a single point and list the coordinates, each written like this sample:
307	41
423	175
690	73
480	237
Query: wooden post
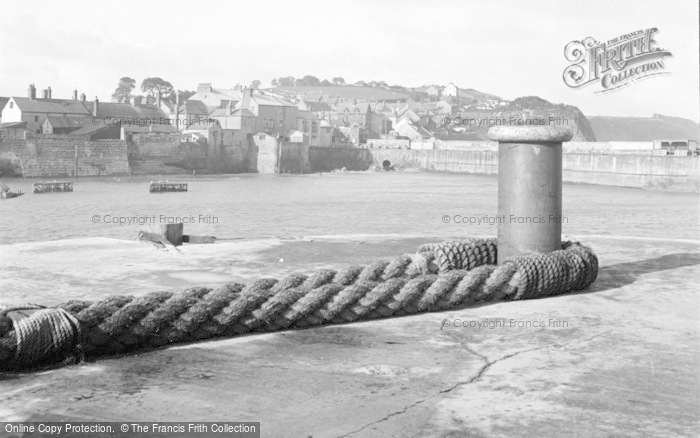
529	188
172	233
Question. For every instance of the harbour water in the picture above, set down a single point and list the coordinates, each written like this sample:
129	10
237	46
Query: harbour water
292	206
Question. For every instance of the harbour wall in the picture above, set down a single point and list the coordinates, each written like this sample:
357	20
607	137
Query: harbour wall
44	156
60	156
627	164
672	173
327	159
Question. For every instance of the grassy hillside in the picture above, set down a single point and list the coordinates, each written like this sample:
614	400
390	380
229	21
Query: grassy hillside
347	92
478	95
643	128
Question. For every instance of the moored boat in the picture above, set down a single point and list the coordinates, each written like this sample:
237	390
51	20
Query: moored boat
6	193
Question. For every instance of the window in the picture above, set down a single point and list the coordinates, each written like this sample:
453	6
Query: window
36	118
12	105
269	123
314	127
305	125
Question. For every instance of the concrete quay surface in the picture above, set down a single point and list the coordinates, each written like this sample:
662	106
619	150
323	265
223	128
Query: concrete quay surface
620	359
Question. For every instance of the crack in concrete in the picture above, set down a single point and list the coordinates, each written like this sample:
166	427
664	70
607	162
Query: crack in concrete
487	364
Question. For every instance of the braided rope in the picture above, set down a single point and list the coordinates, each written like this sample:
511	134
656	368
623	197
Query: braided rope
41	332
440	276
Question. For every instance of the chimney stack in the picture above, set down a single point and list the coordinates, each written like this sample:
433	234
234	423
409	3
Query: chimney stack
31	92
44	93
95	106
82	97
204	87
49	92
247	96
75	94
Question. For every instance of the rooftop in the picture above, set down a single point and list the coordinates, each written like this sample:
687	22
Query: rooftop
63	106
68	122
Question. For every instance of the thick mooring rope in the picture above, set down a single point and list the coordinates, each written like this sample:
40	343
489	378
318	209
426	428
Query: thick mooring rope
440	276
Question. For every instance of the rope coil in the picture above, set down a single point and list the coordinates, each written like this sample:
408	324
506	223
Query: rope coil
439	277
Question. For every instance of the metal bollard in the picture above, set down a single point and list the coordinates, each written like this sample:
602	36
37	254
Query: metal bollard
529	188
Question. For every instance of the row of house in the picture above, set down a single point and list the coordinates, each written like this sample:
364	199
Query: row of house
328	120
212	116
243	111
76	116
220	116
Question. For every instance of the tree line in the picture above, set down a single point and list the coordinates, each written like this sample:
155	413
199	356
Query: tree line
150	87
313	81
153	85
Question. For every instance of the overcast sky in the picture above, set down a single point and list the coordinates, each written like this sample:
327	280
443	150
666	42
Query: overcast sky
507	48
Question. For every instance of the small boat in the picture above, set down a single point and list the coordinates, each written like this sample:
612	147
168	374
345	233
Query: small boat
161	186
6	193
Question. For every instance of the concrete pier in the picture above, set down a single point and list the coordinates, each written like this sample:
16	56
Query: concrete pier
621	357
529	188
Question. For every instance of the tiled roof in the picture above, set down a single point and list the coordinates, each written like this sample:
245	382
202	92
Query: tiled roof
229	94
193	107
92	128
270	100
223	112
244	112
51	106
68	122
150	112
13	125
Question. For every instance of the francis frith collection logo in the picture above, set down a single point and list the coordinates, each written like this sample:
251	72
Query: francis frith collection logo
615	63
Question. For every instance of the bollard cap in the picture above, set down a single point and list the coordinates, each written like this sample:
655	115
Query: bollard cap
530	134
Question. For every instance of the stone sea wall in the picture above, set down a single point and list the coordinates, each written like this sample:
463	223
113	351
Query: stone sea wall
647	171
627	164
60	156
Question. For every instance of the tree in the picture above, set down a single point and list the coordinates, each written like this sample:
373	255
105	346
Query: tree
339	81
274	83
123	92
255	84
286	82
325	83
152	86
186	94
311	81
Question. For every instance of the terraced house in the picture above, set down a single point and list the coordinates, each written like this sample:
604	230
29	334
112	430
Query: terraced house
34	111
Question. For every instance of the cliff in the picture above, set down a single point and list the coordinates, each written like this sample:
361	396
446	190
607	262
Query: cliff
644	128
